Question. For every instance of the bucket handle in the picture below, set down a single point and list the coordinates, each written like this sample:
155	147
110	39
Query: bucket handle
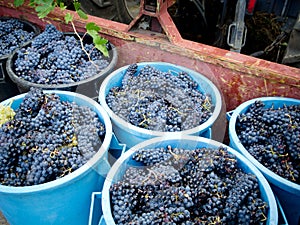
116	145
281	213
96	197
102	221
229	114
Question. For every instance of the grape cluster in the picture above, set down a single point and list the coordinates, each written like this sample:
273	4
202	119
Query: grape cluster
13	35
186	187
159	101
47	139
272	136
54	58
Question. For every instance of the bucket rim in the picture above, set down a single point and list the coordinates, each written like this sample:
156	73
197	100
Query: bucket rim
145	132
271	176
106	207
75	175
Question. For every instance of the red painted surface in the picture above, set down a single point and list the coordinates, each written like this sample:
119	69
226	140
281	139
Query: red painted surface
239	77
251	6
162	15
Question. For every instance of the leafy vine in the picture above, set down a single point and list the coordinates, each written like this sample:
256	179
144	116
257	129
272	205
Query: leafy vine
44	7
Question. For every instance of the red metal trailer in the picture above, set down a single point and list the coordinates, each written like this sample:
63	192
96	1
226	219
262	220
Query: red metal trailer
239	77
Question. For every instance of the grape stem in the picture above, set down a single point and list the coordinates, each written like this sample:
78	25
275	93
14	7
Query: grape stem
145	119
216	221
288	168
53	153
176	156
81	43
66	171
177	110
151	172
206	104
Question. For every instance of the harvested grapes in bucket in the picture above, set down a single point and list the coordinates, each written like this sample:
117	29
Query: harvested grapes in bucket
13	35
55	58
160	101
186	186
47	139
272	136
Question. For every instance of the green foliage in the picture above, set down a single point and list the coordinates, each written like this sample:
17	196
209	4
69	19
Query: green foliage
99	42
92	26
82	14
18	3
76	5
44	7
62	6
68	18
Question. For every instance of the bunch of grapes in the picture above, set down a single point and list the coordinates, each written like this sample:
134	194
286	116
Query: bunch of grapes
187	187
54	58
159	101
47	139
272	137
13	35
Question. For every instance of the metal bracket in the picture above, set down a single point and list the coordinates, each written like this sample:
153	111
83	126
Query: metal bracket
161	21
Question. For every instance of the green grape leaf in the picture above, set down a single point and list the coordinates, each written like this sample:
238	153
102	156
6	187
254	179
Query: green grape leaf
18	3
82	14
62	6
44	7
99	40
58	2
76	5
44	10
68	18
103	49
92	33
92	26
31	3
100	44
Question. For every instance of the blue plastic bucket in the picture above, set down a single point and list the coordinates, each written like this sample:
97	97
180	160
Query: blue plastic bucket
287	192
189	142
132	135
65	200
